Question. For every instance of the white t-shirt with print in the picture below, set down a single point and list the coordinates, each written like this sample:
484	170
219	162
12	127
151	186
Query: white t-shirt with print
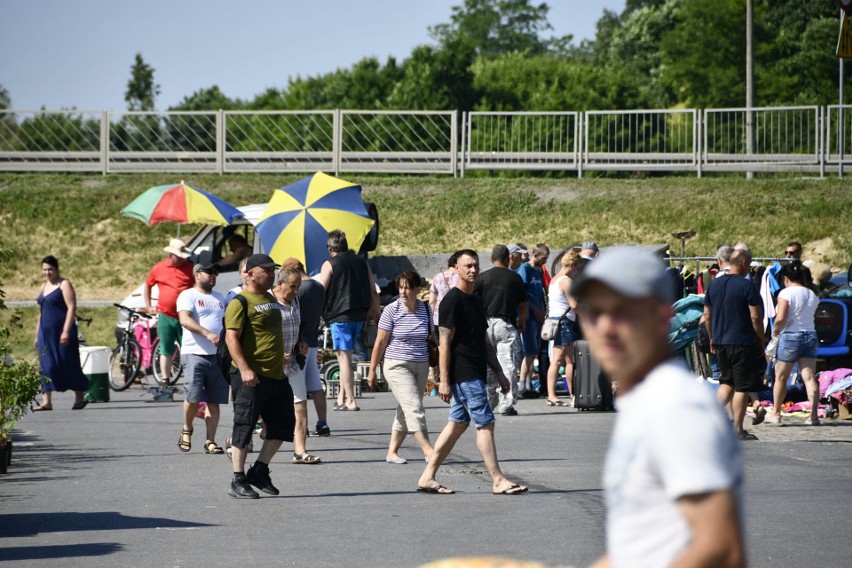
671	439
208	310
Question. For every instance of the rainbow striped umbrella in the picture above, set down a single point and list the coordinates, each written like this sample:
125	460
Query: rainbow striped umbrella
299	217
181	204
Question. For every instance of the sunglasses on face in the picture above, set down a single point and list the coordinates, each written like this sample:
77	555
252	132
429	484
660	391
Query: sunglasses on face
792	252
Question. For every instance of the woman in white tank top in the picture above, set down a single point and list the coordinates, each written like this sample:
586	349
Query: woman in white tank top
797	339
561	307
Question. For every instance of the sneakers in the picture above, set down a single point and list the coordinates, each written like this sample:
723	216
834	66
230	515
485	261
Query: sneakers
322	431
509	412
811	422
240	489
773	419
261	480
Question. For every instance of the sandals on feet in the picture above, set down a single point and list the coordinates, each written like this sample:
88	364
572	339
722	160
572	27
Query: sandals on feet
42	408
436	490
556	402
513	489
211	447
306	458
185	440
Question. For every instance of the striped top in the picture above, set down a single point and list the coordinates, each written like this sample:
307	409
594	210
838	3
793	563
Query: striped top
408	331
291	317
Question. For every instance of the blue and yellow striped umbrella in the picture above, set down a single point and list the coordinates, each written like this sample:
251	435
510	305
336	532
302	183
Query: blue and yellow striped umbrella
299	217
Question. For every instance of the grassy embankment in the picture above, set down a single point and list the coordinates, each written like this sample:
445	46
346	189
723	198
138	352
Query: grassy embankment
76	218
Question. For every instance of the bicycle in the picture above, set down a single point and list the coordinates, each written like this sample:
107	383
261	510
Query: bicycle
126	358
177	369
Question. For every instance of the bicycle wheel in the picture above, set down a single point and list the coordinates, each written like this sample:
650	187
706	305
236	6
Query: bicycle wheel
124	366
177	370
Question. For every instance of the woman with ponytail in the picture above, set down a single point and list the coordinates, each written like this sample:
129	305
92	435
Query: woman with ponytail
797	338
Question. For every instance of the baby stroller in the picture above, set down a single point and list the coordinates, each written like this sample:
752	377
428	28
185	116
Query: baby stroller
683	333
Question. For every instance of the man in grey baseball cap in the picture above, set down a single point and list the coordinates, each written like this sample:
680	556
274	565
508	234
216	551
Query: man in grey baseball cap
672	478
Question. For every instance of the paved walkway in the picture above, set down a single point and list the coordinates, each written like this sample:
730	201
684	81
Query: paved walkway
106	486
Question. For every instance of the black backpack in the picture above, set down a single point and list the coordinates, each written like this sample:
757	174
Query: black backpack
223	356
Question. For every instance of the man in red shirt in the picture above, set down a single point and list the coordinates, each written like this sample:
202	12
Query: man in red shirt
171	276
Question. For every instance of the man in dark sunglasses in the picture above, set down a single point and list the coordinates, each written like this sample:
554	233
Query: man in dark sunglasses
793	251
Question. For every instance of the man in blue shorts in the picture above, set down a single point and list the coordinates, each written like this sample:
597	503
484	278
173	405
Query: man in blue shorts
350	298
465	352
531	273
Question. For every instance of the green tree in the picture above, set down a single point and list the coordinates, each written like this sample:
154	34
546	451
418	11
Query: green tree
210	98
494	27
5	100
142	91
703	55
436	79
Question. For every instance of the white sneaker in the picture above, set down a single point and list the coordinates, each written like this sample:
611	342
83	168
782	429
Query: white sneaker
773	419
812	422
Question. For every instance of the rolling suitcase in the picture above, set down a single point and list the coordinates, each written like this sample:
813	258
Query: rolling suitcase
591	387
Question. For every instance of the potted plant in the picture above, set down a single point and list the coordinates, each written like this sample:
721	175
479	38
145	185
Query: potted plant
19	385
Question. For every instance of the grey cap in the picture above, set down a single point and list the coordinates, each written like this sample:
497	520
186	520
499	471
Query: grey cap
590	245
515	249
629	272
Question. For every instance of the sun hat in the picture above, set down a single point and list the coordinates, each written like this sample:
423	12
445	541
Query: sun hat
178	248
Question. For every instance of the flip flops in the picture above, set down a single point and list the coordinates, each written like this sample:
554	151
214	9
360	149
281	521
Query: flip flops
437	490
42	408
513	489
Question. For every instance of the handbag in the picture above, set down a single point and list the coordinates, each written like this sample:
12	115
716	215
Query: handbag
430	343
550	327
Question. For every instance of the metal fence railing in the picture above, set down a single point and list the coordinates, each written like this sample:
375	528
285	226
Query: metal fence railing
640	140
761	139
521	141
398	142
787	139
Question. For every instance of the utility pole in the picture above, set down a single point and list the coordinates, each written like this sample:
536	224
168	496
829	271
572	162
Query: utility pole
749	82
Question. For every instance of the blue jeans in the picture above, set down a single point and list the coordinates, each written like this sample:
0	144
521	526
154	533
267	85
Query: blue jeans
470	402
796	345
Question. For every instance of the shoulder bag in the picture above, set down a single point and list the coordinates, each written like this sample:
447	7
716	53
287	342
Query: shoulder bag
551	326
430	343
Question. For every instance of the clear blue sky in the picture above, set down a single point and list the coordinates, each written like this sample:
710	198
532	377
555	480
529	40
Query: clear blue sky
66	53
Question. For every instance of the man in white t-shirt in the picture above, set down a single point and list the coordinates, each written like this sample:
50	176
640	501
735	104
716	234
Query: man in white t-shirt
201	311
672	479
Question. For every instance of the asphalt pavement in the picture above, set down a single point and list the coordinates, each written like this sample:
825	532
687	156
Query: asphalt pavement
107	486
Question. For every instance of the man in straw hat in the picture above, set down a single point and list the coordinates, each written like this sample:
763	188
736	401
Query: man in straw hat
172	276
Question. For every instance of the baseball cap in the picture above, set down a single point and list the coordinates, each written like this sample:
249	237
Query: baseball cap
629	272
293	263
515	249
260	261
590	245
207	267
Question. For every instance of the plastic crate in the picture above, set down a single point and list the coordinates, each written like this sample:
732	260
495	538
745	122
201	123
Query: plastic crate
332	389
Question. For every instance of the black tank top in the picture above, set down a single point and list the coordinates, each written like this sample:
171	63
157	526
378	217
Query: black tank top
348	294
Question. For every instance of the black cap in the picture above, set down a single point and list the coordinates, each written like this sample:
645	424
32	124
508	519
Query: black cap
261	261
207	267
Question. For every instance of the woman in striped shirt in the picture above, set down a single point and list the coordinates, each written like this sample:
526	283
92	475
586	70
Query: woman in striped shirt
404	327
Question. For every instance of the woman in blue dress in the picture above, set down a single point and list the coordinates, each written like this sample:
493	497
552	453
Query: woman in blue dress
56	338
